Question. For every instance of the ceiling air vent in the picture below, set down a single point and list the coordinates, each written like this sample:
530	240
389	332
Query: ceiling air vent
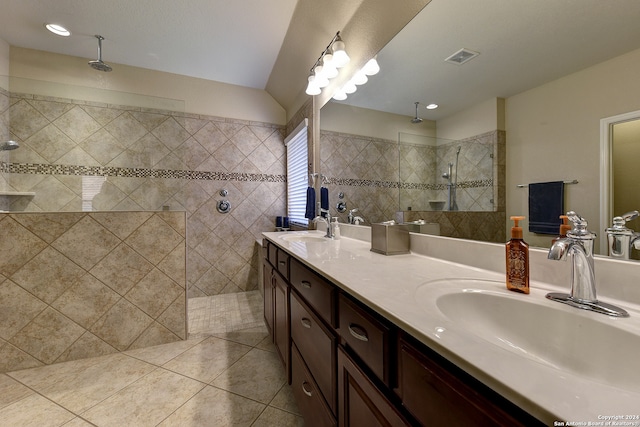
462	56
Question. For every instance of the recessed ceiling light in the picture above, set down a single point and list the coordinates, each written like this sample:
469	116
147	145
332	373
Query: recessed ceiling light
58	30
432	106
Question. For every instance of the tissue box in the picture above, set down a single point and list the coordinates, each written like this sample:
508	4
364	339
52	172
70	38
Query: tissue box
388	239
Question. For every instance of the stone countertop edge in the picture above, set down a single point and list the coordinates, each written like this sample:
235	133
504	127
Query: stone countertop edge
387	284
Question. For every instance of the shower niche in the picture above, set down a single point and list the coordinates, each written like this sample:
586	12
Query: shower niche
437	174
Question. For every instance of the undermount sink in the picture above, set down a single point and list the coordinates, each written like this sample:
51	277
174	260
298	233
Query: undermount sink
588	344
304	237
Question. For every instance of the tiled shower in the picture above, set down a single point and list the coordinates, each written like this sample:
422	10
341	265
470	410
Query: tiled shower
106	157
377	176
110	159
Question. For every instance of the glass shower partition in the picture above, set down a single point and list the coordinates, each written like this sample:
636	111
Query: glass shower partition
87	149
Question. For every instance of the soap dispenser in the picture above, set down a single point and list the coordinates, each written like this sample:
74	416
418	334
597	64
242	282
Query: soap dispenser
517	252
564	228
335	228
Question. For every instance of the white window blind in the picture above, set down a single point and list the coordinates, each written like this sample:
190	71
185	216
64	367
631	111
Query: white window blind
297	174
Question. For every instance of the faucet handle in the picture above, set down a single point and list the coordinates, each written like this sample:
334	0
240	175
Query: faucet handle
579	229
629	216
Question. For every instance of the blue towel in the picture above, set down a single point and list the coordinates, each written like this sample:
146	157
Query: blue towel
310	211
324	199
546	204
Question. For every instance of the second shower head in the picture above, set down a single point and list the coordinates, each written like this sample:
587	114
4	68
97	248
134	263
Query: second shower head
98	64
416	119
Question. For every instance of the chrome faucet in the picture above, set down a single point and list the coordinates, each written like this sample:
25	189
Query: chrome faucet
579	246
326	221
353	219
621	239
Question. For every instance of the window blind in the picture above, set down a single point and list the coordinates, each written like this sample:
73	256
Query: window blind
297	174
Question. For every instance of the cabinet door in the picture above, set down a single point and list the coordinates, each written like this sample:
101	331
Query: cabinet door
267	275
438	397
360	402
281	325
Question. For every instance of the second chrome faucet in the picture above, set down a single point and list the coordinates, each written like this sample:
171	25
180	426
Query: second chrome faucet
578	246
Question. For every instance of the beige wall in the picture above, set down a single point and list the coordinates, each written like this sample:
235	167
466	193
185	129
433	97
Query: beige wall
200	96
553	133
485	117
372	123
4	63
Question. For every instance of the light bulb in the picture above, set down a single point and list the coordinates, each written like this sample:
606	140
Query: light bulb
349	87
321	79
371	68
340	95
329	70
340	57
360	78
312	87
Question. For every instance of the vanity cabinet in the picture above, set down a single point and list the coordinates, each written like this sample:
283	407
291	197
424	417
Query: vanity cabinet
350	366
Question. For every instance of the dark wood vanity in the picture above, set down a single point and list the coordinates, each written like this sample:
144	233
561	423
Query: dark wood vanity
350	366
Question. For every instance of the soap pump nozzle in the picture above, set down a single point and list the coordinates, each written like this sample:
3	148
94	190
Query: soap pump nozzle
516	230
565	227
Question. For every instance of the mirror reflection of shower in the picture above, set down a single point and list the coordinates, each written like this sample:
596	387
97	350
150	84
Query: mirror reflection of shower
451	175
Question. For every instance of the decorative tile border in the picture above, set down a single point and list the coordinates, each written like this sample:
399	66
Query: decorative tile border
404	185
45	169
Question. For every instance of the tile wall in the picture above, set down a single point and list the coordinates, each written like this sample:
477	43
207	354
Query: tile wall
366	170
78	155
77	285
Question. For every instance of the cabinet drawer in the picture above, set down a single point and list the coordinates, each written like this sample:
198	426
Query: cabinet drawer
437	396
283	263
317	292
310	403
317	346
272	251
367	337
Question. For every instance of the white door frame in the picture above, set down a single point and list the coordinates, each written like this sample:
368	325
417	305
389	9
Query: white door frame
606	174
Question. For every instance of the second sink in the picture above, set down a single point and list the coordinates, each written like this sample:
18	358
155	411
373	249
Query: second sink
558	336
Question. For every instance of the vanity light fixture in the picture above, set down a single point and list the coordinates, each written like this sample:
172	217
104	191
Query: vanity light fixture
371	68
326	66
58	30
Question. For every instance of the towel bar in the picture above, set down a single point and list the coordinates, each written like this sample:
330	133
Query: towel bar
575	181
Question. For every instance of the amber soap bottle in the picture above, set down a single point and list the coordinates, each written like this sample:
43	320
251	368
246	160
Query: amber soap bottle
517	259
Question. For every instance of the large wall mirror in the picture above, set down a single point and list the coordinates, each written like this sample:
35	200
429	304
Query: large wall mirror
521	108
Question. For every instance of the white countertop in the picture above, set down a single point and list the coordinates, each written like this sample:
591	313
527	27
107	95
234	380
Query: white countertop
388	284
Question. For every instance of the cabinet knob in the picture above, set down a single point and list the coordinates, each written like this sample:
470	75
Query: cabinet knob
306	322
282	262
306	284
358	332
304	389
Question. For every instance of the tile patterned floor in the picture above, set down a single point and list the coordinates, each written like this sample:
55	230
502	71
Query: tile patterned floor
223	375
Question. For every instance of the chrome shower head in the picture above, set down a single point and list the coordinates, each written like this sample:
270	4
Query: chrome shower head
99	64
9	145
416	119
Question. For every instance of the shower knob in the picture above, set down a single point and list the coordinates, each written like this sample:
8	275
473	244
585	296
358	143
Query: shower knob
223	206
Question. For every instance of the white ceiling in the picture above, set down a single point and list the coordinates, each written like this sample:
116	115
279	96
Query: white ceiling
522	43
229	41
